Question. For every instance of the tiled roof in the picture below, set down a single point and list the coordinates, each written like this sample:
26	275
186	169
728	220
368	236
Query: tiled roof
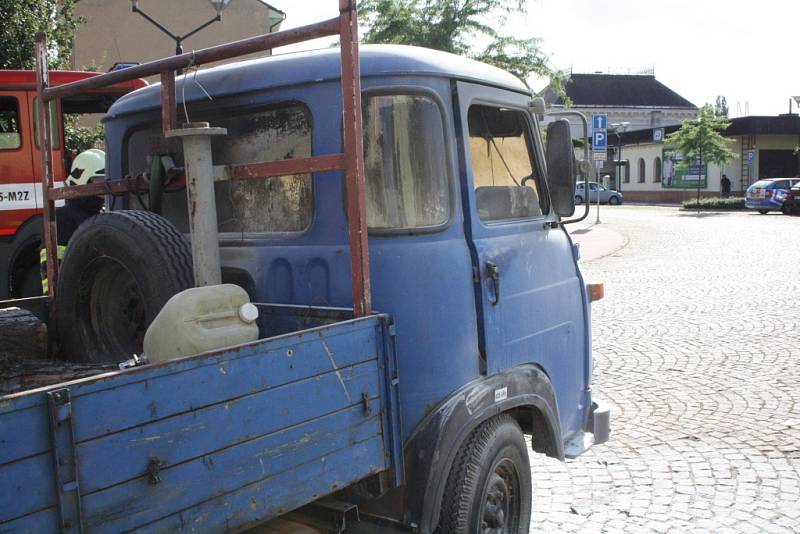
618	90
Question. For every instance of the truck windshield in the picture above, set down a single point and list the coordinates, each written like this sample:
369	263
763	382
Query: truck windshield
506	183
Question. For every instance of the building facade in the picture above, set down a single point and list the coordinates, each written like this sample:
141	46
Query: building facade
113	33
765	148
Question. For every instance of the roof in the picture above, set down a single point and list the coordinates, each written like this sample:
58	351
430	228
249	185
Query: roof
322	65
273	8
765	125
750	125
618	90
26	79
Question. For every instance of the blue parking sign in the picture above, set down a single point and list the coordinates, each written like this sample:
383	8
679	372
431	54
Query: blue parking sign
599	141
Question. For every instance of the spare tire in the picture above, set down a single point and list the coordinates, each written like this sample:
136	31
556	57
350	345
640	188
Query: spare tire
119	270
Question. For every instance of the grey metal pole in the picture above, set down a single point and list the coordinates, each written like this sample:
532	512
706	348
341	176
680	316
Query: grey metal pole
196	138
597	174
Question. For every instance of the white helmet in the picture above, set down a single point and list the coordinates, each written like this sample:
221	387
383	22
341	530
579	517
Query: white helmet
87	165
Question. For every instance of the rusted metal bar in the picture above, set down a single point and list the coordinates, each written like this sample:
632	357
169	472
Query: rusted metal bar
286	167
247	171
96	189
49	208
169	108
354	159
243	47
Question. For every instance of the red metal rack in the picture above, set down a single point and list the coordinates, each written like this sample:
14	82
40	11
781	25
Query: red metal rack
351	161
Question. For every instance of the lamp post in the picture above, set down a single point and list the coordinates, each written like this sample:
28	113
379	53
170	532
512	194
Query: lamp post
618	127
218	5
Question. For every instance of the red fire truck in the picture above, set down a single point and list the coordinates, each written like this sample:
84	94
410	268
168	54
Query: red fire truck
21	168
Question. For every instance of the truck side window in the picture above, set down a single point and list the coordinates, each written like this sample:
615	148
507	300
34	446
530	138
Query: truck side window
506	183
278	204
405	162
261	205
10	138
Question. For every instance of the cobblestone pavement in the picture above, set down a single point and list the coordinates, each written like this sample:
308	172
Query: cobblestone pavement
697	350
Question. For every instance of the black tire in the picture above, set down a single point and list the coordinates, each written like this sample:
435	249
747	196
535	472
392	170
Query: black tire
763	212
489	486
614	201
578	199
27	281
785	209
118	272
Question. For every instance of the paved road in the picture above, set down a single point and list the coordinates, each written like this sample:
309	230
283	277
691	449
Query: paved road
697	349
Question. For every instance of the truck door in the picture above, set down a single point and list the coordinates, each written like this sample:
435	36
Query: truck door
17	201
529	296
59	172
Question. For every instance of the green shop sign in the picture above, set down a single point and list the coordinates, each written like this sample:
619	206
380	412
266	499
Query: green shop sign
679	174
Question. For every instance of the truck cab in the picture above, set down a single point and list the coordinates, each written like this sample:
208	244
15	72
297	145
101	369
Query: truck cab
468	254
21	169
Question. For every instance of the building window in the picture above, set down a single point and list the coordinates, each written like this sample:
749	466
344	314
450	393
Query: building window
625	170
10	138
657	170
641	170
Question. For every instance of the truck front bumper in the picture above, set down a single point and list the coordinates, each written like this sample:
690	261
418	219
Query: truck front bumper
595	432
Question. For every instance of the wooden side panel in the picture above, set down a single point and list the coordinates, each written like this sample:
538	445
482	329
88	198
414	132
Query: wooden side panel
229	432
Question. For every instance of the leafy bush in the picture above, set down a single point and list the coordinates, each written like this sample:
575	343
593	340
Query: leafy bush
730	203
78	138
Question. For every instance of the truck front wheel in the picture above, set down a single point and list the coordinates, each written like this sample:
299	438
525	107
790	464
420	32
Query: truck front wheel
489	486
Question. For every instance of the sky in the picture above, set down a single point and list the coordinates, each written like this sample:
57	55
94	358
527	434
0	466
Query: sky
745	51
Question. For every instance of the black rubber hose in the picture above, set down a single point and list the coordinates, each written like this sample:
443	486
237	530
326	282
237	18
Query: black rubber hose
156	185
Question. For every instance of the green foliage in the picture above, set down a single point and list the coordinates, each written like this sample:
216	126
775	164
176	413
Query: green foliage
700	139
730	203
721	107
453	26
79	138
22	19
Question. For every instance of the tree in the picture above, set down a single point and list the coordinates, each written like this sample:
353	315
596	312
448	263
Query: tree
454	26
721	107
699	140
22	19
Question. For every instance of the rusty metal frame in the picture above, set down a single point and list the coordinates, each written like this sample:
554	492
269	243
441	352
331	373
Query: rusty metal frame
351	161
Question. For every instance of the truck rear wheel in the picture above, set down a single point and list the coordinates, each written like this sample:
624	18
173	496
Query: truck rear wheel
119	270
489	486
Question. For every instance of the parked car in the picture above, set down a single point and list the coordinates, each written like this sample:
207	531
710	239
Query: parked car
768	194
607	196
791	204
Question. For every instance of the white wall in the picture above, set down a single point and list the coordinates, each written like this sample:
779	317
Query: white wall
639	118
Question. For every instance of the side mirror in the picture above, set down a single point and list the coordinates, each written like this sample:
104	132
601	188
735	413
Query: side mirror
561	167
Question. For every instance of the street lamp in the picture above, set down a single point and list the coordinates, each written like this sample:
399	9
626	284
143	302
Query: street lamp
616	128
218	5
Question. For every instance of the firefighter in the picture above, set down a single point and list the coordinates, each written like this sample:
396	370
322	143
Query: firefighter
87	166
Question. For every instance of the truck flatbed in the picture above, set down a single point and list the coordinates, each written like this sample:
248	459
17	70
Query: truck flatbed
215	441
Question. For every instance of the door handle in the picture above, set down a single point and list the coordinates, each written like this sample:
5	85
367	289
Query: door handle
494	274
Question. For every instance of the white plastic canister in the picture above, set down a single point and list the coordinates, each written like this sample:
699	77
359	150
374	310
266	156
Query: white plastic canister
201	319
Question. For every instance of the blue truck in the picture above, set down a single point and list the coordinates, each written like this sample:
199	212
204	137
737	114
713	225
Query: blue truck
410	419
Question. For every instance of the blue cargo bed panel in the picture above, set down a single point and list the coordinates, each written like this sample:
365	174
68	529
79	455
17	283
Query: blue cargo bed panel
212	442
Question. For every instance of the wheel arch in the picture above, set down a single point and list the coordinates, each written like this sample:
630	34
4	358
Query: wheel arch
431	449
